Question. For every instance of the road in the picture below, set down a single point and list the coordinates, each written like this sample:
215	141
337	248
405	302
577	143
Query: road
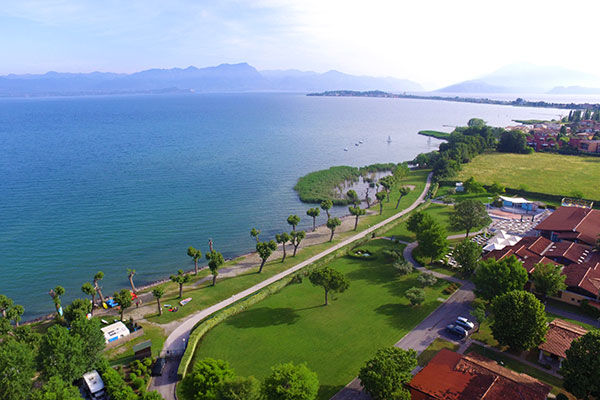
175	343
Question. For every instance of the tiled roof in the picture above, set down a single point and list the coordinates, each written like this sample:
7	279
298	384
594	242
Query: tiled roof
583	276
560	335
573	223
452	376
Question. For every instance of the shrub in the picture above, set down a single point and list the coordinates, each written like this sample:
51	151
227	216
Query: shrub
147	361
404	267
415	295
426	279
562	396
138	383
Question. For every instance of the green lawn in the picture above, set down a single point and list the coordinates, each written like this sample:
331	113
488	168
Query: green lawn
538	172
335	341
434	348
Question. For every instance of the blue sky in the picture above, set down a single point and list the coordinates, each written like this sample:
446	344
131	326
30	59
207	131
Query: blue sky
430	41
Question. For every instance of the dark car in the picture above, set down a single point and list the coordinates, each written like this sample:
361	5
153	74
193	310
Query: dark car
457	330
158	367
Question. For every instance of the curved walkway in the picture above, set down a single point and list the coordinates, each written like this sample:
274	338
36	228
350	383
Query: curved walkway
176	342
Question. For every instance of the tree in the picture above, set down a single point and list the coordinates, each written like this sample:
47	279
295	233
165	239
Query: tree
387	182
205	379
264	250
380	196
195	254
384	376
255	233
497	188
55	294
469	214
92	339
291	382
352	197
116	387
513	142
158	292
326	206
17	369
581	368
426	279
419	221
357	212
415	295
548	280
5	304
476	122
404	190
15	313
283	238
215	261
88	288
494	278
333	223
130	275
519	320
56	389
293	220
78	308
331	280
314	213
467	254
97	278
152	395
61	354
479	314
403	267
240	388
123	297
296	237
472	186
180	279
432	241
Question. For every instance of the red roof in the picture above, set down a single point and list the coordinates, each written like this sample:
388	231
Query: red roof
559	337
583	276
529	250
453	376
573	223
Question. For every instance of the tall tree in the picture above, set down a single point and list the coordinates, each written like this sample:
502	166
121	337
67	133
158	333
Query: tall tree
291	382
5	304
384	376
519	320
97	278
56	389
93	342
296	237
283	238
215	261
293	220
123	297
333	223
79	308
55	294
17	369
581	368
15	313
467	254
352	197
158	292
240	388
380	196
130	275
90	290
419	221
469	214
331	280
207	375
387	182
196	255
326	206
61	354
357	212
314	213
180	279
548	280
494	278
404	190
255	233
264	250
433	241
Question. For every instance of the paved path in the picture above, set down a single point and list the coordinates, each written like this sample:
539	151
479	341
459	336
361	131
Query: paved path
176	341
570	315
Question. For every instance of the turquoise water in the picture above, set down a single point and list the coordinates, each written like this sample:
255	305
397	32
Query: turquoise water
109	183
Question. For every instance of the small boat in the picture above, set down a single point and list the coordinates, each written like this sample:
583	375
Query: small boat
389	139
346	149
185	301
356	144
360	141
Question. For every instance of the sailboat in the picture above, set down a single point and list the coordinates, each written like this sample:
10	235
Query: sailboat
389	139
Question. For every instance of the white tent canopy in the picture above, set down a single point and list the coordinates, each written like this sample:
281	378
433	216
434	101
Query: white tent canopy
515	200
501	240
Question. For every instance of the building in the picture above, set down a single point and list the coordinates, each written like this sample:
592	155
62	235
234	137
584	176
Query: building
558	341
585	145
94	385
143	350
114	332
518	204
575	224
453	376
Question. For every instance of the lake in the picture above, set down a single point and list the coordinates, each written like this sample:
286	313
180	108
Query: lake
117	182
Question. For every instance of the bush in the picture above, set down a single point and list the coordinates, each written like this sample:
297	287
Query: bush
415	295
116	387
562	396
426	279
296	279
589	310
138	383
393	254
451	288
404	267
291	382
147	361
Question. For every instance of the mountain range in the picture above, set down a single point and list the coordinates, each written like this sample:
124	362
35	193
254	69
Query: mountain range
222	78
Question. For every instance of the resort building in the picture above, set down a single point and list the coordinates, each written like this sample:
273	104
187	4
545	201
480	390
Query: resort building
575	224
558	340
453	376
518	204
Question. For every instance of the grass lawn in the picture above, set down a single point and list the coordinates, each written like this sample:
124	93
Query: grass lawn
538	172
434	348
123	354
335	341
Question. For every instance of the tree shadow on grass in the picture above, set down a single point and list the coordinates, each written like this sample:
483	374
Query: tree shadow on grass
328	391
263	317
396	313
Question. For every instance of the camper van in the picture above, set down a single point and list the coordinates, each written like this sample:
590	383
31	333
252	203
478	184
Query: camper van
94	386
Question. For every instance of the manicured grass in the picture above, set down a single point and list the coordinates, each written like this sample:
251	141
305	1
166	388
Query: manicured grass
434	348
435	134
124	354
335	340
538	172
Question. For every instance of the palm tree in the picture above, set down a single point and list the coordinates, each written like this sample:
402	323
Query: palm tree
180	279
88	288
130	274
314	213
333	223
98	277
254	233
293	220
196	255
282	238
158	292
326	205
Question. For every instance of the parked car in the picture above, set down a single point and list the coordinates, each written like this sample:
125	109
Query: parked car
457	330
158	367
465	323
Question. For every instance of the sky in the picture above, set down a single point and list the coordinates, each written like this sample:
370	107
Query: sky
432	42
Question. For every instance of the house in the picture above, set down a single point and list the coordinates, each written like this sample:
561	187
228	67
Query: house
114	332
453	376
143	350
575	224
529	250
518	203
558	341
585	145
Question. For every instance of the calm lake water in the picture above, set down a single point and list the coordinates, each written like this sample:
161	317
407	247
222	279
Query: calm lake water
109	183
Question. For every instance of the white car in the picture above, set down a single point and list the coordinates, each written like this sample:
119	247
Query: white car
462	321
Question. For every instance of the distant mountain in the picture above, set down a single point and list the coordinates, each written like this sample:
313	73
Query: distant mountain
523	78
574	90
222	78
